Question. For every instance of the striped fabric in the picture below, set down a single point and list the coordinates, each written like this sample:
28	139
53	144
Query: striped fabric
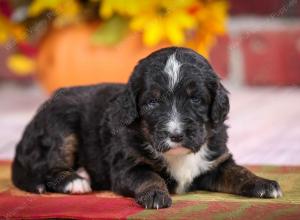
15	204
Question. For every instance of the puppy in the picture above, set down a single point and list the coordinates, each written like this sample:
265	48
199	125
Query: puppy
163	132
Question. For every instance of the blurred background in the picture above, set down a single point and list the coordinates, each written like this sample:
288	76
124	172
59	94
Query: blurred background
253	45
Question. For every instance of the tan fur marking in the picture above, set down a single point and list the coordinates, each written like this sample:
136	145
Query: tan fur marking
225	156
69	149
154	182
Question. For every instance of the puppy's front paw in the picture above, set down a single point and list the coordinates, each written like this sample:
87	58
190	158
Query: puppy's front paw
154	199
262	188
77	186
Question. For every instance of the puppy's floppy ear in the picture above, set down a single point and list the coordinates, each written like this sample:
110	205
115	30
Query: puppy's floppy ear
220	105
123	110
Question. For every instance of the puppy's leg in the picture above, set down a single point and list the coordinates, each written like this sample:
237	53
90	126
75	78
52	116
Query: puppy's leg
231	178
146	186
61	177
67	181
45	156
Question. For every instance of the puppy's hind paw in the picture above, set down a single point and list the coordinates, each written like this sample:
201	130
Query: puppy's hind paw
78	186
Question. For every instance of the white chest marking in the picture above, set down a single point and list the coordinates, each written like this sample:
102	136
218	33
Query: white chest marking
172	69
184	168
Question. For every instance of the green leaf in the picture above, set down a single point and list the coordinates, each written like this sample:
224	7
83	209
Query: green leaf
111	31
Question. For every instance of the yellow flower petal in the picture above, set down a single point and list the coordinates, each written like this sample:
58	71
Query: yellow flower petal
106	8
174	33
3	30
153	33
20	64
38	6
133	7
66	11
3	37
138	23
184	20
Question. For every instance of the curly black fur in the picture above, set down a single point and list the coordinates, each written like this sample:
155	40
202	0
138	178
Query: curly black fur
119	134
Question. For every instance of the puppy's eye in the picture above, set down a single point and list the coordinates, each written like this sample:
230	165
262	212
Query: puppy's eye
152	103
195	100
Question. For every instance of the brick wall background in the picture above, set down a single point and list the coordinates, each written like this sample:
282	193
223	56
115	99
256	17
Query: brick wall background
263	44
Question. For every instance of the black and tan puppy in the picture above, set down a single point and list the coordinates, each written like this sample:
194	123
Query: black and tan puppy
163	132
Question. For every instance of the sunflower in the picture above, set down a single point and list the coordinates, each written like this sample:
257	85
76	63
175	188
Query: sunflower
122	7
163	20
211	22
65	11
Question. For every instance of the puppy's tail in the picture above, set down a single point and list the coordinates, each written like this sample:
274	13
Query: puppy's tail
23	178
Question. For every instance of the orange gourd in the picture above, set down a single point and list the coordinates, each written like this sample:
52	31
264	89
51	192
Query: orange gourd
67	57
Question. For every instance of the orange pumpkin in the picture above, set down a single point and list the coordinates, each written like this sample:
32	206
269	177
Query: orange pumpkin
67	57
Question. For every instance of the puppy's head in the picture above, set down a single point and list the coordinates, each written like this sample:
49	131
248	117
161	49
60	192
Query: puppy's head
175	98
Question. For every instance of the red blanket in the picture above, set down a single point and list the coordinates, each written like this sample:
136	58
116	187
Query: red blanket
15	204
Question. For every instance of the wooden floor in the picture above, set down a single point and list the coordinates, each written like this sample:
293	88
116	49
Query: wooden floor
264	122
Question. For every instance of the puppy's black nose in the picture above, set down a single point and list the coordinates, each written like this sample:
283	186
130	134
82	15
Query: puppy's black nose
176	137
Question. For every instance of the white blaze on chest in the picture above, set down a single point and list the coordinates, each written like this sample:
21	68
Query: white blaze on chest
172	69
184	168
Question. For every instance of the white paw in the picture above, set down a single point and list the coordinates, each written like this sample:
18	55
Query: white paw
78	186
276	193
